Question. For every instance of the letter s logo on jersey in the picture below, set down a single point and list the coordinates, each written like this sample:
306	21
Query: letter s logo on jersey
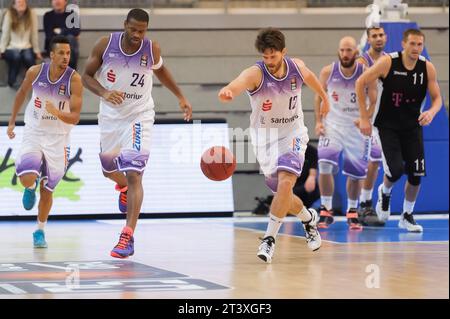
267	106
335	96
111	76
38	103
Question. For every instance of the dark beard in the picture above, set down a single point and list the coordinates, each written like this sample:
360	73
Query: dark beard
349	63
278	67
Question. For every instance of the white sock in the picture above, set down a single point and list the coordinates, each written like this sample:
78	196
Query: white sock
352	203
304	215
327	201
366	194
273	226
41	225
408	207
386	190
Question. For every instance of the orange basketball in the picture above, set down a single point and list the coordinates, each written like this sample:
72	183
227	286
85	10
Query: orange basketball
218	163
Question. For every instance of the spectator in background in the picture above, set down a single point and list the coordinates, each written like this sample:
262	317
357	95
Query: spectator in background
60	22
306	186
19	44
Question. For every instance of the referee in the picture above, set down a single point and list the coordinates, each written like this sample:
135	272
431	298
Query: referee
406	76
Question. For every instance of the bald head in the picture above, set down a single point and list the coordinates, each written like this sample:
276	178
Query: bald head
347	42
347	51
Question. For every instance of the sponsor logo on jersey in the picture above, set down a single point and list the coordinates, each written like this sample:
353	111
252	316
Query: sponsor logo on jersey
397	98
350	109
267	106
111	76
284	120
335	96
37	103
137	131
43	84
62	89
131	96
112	55
144	60
401	73
293	84
297	145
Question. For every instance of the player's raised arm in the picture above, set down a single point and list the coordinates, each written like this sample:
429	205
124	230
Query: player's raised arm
379	70
22	93
165	77
426	117
93	64
249	79
324	75
76	100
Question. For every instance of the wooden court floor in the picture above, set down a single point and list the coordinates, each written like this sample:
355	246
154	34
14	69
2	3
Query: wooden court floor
214	258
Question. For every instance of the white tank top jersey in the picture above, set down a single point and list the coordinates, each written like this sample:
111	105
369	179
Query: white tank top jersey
58	93
276	103
129	73
344	108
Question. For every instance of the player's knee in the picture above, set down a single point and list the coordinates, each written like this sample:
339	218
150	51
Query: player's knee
284	186
326	168
414	180
133	178
28	180
395	173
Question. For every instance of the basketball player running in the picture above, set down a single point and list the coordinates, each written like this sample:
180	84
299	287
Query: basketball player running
51	113
406	77
376	37
338	133
126	62
278	133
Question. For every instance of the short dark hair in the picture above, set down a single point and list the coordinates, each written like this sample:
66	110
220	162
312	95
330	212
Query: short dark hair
270	38
58	39
138	15
413	32
372	28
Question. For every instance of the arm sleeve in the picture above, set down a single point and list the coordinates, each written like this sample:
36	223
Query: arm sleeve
6	32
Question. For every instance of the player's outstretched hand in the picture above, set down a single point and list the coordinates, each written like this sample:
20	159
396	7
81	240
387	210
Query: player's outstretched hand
225	95
10	131
186	108
114	97
426	117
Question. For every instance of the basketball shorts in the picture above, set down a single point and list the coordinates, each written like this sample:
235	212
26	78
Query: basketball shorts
125	144
45	155
349	141
285	154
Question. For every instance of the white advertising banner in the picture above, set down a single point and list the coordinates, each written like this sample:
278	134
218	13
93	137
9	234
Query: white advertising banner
173	181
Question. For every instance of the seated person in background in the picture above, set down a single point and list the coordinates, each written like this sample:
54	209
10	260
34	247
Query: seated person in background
60	22
306	186
19	42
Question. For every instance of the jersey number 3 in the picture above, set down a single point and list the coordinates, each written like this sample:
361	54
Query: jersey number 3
139	79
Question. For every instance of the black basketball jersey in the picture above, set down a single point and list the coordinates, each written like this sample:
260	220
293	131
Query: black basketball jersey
403	94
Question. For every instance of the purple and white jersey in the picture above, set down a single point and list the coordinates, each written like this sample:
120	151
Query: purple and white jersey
344	107
276	104
366	56
58	93
129	73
